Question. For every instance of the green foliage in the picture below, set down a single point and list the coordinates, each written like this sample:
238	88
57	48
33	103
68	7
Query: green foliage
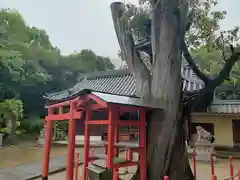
31	66
32	125
61	130
207	42
137	17
11	108
11	112
5	131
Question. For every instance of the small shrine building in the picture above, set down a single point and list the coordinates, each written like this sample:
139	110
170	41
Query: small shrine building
103	93
116	82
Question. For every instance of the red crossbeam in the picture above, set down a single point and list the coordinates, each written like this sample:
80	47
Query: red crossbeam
65	116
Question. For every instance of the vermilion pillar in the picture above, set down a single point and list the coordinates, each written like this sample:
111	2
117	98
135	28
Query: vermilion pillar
116	140
111	129
86	144
143	156
47	147
71	143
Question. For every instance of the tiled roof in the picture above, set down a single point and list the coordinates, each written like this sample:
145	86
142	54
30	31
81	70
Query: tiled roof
118	82
125	100
224	106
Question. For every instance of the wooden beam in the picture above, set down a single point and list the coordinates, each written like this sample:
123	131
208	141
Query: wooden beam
65	116
98	100
128	123
127	108
64	103
71	143
93	107
97	122
96	107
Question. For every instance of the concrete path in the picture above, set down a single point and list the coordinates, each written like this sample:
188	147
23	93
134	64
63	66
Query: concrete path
32	171
125	173
58	165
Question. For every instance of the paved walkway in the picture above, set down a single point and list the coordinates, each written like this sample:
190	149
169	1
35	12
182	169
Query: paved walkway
125	173
29	171
34	170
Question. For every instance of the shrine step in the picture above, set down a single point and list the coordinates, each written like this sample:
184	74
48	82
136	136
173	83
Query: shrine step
125	163
98	144
98	156
118	162
104	156
96	172
127	145
119	145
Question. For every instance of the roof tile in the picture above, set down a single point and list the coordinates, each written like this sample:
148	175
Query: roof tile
118	82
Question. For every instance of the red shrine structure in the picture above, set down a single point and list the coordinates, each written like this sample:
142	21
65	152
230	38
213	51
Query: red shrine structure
112	93
114	105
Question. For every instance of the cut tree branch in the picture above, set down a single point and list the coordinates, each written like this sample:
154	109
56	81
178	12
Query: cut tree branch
192	63
131	56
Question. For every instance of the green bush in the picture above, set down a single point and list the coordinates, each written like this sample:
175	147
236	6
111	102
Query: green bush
11	113
32	124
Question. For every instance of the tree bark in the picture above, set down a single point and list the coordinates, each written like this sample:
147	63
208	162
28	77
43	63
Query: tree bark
165	132
167	143
166	150
128	50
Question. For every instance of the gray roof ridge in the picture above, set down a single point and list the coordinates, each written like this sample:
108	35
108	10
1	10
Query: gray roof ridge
225	102
106	76
110	73
57	92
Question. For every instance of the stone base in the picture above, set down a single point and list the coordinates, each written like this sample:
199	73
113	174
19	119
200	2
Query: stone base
40	141
205	157
204	151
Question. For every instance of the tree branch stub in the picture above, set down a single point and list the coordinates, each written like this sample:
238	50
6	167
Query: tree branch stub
132	57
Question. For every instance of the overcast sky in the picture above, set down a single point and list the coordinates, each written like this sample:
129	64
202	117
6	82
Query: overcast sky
77	24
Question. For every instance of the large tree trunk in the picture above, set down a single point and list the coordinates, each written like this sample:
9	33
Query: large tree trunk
166	151
161	85
166	146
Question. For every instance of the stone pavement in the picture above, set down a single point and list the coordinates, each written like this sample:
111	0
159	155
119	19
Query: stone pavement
32	171
125	173
58	165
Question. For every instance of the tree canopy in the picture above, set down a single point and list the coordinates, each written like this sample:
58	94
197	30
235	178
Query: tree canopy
207	42
31	66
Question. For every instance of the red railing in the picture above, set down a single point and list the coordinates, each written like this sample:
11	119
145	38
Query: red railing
194	154
76	166
214	177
